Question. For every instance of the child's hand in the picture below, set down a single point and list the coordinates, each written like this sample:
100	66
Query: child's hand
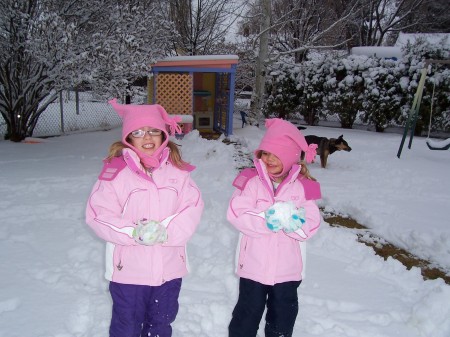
278	215
285	216
149	232
296	220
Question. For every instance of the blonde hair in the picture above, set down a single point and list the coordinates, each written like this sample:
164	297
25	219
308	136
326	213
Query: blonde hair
305	172
115	150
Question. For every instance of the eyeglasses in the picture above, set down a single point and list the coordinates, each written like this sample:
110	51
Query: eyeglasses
141	133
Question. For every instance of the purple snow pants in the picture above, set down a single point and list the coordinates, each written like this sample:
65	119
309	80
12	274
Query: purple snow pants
142	311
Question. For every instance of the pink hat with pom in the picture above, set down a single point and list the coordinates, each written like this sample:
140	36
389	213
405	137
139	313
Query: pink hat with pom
138	116
284	140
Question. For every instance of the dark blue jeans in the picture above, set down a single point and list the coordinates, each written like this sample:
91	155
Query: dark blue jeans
244	121
143	310
282	309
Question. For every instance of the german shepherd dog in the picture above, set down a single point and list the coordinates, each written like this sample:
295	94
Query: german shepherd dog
327	146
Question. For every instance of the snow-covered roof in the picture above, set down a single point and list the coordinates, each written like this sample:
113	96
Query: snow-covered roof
433	38
199	58
216	61
382	52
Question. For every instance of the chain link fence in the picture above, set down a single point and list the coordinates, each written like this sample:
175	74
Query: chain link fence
71	113
80	112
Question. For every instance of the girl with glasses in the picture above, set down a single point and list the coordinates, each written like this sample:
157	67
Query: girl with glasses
146	207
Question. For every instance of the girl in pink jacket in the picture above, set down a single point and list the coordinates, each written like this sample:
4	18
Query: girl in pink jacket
146	207
274	209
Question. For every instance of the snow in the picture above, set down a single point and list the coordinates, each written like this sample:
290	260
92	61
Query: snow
52	281
438	144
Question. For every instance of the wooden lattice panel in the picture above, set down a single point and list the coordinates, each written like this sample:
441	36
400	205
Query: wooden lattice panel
150	91
174	92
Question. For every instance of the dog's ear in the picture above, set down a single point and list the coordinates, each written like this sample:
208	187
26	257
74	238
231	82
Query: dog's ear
341	136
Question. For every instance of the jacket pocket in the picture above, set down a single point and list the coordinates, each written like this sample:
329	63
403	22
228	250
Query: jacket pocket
253	256
174	262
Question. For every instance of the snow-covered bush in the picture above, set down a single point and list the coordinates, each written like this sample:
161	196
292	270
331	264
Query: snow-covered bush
311	80
377	91
383	94
298	90
345	88
283	92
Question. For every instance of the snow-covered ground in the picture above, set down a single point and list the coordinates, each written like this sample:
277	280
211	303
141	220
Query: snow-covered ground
52	282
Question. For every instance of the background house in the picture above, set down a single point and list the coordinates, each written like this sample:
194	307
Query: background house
433	38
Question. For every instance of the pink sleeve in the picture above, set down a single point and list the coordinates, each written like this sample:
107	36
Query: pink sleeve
244	211
103	215
182	227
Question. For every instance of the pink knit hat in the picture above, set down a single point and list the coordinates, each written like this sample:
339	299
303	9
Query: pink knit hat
138	116
284	140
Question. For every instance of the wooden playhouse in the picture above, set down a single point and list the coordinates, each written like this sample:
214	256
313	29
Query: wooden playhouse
200	89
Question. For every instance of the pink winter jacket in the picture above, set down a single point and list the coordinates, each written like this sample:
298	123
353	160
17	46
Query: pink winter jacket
265	256
125	194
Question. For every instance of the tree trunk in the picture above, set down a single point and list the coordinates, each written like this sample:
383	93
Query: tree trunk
260	71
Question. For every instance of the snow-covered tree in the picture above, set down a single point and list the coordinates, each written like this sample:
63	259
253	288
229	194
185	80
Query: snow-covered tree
435	17
200	25
376	20
432	16
295	22
269	45
50	45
